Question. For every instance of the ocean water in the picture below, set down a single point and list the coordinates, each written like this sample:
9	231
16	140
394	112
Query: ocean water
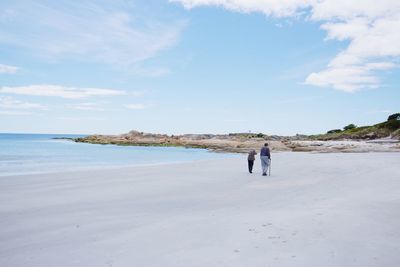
40	153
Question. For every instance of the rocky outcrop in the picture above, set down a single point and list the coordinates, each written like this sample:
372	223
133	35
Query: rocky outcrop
243	142
226	143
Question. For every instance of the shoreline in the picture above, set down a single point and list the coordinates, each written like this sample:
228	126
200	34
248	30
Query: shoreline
128	167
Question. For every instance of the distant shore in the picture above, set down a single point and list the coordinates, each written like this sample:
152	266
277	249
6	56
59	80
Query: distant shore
241	143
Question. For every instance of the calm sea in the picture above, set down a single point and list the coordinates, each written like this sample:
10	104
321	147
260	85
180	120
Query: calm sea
40	153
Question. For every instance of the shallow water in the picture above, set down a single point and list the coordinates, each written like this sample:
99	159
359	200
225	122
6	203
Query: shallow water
40	153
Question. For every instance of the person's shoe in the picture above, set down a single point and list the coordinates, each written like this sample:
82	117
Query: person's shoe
264	174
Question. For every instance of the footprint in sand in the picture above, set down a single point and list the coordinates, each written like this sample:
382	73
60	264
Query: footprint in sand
268	224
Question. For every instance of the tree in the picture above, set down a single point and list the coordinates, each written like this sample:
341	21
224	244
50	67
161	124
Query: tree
350	126
394	116
334	131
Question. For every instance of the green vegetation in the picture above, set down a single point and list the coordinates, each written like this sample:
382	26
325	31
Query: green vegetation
334	131
380	130
395	116
249	135
349	127
260	135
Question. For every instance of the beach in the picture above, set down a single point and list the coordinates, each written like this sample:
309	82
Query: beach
316	209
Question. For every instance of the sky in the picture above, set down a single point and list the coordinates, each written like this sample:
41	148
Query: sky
197	66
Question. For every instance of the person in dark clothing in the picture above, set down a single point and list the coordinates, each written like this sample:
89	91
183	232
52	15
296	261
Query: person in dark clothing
265	156
250	159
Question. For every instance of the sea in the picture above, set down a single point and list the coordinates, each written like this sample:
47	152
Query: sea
44	153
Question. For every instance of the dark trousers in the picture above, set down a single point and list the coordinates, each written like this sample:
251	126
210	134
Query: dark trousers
251	163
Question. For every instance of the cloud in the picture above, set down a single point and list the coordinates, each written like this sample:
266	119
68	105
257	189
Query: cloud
8	69
81	118
11	103
136	106
11	112
59	91
87	106
112	32
149	72
277	8
349	77
370	27
11	106
137	93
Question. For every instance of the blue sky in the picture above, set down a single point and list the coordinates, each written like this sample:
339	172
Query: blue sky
197	66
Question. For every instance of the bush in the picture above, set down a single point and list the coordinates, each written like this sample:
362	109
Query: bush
392	125
350	127
394	116
334	131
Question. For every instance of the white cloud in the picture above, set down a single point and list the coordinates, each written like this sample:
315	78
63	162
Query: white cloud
348	79
59	91
87	106
350	9
8	69
137	93
11	112
371	27
81	118
278	8
346	30
11	103
11	106
113	32
149	72
136	106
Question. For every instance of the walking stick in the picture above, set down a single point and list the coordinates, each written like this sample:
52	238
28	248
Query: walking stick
269	169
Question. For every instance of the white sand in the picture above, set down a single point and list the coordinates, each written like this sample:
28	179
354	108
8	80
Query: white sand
315	210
